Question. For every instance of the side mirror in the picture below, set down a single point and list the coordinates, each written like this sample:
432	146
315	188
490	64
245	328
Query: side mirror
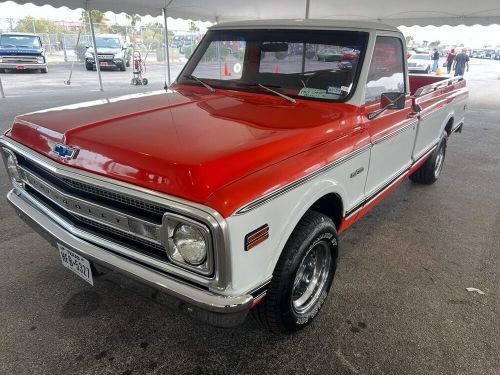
392	100
87	46
389	100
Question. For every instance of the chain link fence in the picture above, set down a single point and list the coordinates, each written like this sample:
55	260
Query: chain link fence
68	41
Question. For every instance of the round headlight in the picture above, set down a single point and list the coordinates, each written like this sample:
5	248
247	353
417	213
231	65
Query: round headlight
11	164
40	59
190	243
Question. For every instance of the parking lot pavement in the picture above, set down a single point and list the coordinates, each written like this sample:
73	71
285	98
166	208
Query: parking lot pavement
398	305
22	83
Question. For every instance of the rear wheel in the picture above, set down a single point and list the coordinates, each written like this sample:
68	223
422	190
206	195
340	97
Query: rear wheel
429	172
302	277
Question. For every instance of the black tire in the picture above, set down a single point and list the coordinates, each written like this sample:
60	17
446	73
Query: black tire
427	70
429	172
123	68
2	70
89	67
144	81
128	64
278	311
44	70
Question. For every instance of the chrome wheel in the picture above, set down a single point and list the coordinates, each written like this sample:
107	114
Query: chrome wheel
438	166
311	278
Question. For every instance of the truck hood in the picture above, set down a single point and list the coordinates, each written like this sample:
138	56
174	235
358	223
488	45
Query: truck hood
183	143
10	51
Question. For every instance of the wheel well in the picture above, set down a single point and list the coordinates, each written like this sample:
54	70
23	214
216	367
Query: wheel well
331	206
449	126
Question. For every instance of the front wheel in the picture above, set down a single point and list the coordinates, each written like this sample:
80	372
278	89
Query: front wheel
429	172
302	277
89	66
44	70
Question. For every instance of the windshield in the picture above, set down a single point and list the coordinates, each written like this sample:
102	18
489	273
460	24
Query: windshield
22	41
316	64
107	42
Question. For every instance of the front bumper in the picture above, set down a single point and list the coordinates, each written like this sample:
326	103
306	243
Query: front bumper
215	309
418	69
22	66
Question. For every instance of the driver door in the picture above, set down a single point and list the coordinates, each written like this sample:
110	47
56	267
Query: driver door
392	133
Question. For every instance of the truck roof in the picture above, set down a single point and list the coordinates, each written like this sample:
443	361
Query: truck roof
301	24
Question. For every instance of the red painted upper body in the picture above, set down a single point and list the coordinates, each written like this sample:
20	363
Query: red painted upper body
220	149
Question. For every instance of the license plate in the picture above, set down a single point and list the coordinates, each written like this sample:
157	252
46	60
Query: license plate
103	63
20	67
76	263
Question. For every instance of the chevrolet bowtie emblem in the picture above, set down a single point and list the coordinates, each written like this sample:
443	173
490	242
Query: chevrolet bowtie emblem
65	152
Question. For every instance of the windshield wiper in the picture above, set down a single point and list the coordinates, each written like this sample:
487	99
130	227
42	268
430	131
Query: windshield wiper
194	78
290	99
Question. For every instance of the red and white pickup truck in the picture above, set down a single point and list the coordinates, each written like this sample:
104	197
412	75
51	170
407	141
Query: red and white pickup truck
228	190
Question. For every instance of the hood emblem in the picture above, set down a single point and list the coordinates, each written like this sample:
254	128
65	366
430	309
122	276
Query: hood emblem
64	151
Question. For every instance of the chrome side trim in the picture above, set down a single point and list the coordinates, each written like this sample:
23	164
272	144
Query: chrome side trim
434	86
205	214
292	185
396	132
209	301
425	151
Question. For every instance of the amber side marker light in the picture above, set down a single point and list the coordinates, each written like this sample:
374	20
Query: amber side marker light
256	237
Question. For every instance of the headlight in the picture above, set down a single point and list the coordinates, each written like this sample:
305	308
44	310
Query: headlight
11	164
188	243
0	59
40	59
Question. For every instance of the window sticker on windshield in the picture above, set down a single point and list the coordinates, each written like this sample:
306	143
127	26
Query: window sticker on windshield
334	90
317	93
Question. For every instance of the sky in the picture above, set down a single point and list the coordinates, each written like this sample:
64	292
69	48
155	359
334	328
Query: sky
471	36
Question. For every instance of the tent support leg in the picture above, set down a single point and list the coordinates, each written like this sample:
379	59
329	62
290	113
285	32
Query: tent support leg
1	88
307	9
96	57
167	54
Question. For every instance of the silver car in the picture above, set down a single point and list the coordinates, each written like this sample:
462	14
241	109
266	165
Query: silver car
419	63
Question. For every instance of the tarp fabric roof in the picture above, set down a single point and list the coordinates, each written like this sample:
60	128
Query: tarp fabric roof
392	12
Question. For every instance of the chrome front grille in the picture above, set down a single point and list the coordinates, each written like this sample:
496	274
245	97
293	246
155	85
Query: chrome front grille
105	57
118	217
19	59
93	212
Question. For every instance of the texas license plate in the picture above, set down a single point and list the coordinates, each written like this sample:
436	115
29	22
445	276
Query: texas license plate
20	67
103	63
76	263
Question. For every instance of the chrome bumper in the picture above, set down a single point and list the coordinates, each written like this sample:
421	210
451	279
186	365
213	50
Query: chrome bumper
215	309
28	66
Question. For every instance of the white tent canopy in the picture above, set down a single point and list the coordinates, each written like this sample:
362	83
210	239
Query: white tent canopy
393	12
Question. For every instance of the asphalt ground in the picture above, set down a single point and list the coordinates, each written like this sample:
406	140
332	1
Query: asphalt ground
398	304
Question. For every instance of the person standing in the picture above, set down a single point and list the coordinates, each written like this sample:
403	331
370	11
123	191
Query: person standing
435	58
461	62
450	59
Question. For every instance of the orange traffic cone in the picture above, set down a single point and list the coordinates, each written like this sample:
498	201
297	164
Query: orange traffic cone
438	71
276	68
226	70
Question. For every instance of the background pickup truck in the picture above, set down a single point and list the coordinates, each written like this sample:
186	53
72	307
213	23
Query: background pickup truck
228	190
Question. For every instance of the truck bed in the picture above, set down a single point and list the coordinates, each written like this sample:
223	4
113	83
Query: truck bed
418	81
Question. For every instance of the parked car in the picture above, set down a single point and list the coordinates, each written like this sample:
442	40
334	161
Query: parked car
22	51
177	41
112	53
228	192
419	63
329	54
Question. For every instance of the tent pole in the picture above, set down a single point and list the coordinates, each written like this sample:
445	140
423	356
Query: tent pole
96	57
307	9
167	55
1	88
